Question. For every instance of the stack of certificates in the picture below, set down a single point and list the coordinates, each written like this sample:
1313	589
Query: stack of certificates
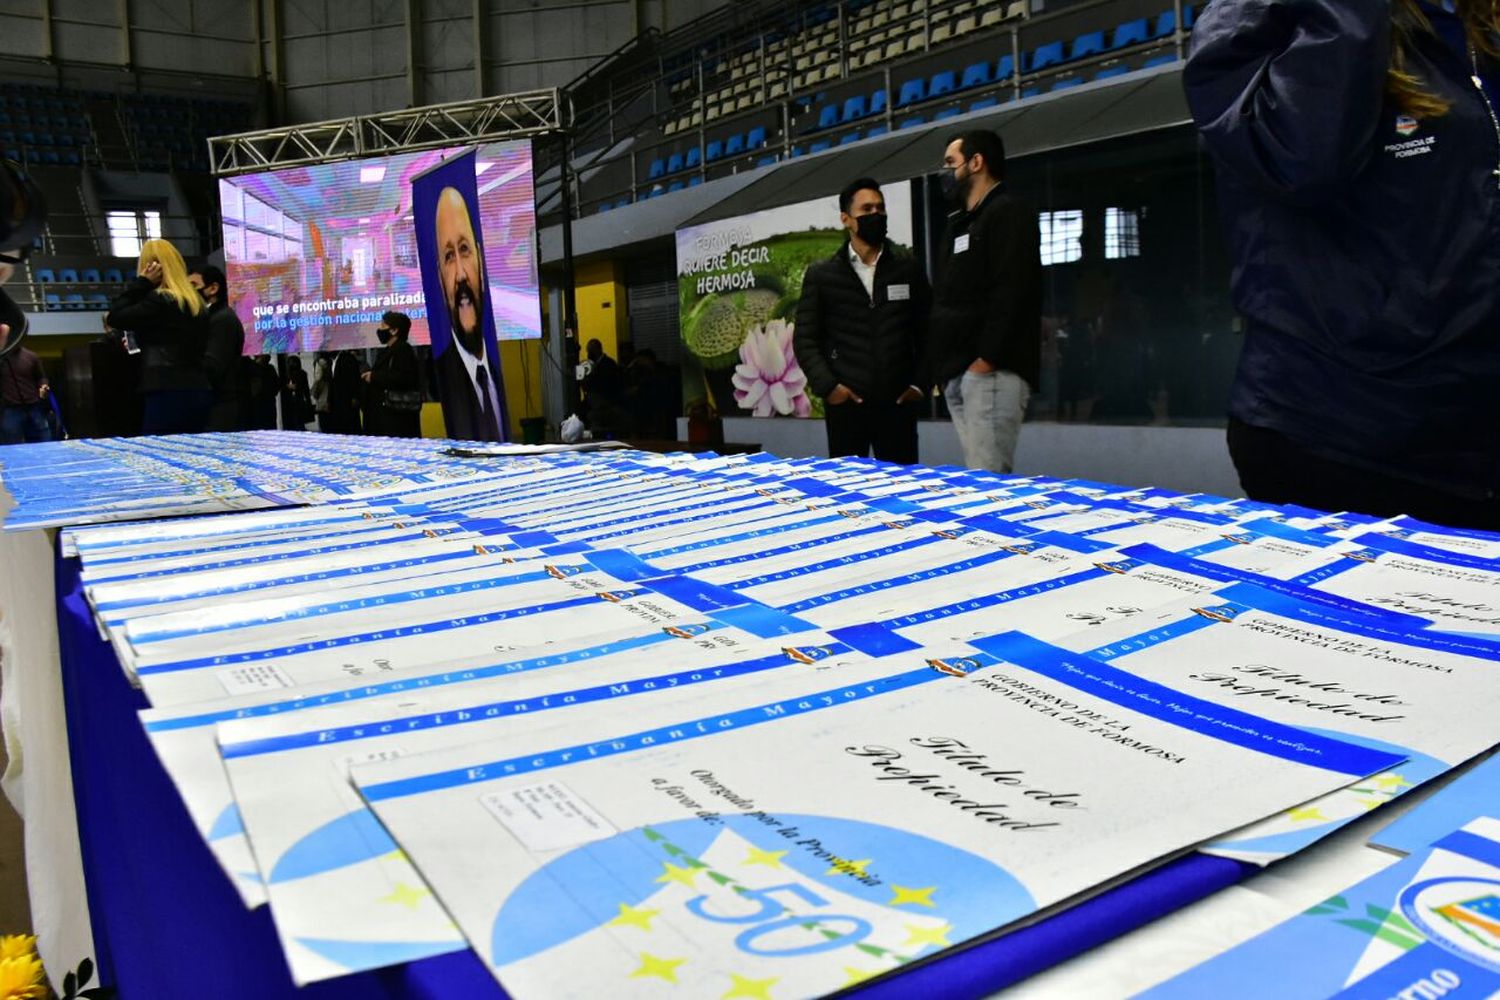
644	725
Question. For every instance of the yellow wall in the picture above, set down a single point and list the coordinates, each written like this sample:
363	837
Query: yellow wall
600	291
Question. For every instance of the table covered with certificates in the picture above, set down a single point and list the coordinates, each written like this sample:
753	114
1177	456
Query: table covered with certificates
618	724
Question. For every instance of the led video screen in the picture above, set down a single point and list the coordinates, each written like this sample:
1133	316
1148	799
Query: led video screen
314	255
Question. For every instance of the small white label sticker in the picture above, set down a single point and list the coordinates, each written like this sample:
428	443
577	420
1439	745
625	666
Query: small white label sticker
897	293
961	244
254	678
547	816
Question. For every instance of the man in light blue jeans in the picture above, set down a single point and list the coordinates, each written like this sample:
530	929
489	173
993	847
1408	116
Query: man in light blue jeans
987	410
985	334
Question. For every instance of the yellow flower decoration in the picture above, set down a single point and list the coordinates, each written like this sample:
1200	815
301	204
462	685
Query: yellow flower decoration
21	978
17	946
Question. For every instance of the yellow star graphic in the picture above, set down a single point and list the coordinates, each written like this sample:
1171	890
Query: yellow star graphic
1373	804
928	935
405	895
661	968
912	897
857	975
1307	814
750	989
842	867
676	874
1390	781
769	858
630	916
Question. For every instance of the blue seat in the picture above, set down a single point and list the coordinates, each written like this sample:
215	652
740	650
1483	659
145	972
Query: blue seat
1005	69
877	130
942	83
766	161
674	186
113	276
985	103
1166	22
911	92
796	152
697	179
1131	33
658	169
1105	74
73	300
819	146
98	301
1091	44
1048	55
756	137
45	276
912	122
851	137
855	108
91	276
67	276
1067	84
655	192
71	158
877	102
51	157
1030	92
713	151
1163	60
975	75
947	113
829	116
674	163
694	158
735	144
53	301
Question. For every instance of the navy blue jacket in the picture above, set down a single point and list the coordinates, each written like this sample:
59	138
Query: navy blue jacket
1366	245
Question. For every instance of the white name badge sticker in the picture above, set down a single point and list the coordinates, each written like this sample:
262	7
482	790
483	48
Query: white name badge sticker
548	817
961	244
898	293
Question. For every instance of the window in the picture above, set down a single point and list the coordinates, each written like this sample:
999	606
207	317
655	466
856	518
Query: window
1062	236
129	228
1122	233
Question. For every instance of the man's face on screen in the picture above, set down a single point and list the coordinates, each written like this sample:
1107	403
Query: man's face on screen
461	269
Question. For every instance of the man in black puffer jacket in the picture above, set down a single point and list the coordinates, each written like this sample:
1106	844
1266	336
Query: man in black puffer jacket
859	335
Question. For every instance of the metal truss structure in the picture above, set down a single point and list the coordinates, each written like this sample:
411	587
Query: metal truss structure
488	119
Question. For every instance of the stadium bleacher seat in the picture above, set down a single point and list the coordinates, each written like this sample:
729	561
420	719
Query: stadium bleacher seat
985	103
658	169
855	108
1163	60
912	122
91	276
942	83
1131	33
852	137
766	161
975	75
44	276
113	276
877	130
877	102
693	158
755	138
67	276
1067	83
1091	44
695	181
947	113
1166	22
1050	54
713	151
674	163
73	301
674	186
829	116
1110	71
911	92
1030	92
819	146
98	301
52	300
1005	68
735	144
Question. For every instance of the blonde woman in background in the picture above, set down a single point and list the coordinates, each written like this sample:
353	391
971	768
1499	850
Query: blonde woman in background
165	316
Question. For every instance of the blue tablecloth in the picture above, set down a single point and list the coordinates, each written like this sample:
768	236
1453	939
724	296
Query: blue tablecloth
167	923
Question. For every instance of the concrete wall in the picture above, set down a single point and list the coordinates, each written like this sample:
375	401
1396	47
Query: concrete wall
1190	459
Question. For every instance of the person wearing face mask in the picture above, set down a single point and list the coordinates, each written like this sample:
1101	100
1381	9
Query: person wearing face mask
985	333
394	381
859	335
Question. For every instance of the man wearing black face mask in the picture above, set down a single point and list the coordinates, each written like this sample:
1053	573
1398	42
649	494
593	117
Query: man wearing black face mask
859	335
987	304
394	381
